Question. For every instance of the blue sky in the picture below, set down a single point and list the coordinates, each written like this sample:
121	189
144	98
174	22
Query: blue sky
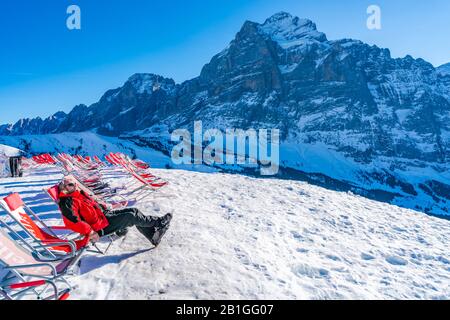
45	68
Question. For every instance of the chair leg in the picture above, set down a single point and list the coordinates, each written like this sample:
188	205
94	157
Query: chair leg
109	246
102	252
97	250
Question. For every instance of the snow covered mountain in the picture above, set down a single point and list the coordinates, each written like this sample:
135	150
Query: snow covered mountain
444	70
444	77
236	237
351	116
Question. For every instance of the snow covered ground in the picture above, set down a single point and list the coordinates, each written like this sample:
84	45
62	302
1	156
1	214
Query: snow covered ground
235	237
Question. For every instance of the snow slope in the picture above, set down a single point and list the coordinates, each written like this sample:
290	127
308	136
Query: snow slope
8	151
83	143
235	237
90	143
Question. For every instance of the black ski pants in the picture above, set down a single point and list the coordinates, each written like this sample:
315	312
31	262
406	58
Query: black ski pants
129	217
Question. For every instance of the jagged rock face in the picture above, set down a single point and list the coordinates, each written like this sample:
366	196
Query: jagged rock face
284	73
346	94
248	65
444	80
140	103
388	106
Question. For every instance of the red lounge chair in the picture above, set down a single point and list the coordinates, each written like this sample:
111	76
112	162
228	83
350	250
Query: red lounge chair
99	162
41	235
21	274
53	193
143	182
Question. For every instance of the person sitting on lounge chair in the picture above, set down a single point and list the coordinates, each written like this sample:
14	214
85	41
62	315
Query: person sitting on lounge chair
85	216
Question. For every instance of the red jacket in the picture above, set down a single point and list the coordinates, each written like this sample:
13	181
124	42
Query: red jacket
81	214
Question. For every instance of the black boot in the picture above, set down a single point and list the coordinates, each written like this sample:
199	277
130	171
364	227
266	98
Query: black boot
155	234
164	221
122	233
164	225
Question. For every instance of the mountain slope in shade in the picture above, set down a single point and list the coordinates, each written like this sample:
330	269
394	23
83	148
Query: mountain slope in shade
444	77
366	119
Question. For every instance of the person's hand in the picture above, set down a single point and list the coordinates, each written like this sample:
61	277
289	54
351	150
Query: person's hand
94	237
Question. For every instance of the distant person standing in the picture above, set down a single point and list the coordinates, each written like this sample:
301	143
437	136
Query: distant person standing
10	161
15	166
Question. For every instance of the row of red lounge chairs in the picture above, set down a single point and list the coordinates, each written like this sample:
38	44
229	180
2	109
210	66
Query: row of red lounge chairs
36	257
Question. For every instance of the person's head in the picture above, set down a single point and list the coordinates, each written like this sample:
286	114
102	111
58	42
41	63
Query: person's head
68	186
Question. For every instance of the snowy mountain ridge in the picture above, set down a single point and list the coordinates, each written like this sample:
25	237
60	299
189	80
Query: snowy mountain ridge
289	31
444	70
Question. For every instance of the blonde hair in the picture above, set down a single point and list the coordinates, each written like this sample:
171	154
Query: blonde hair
66	180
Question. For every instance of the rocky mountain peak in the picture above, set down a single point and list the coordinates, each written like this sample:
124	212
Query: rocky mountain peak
59	115
149	82
289	31
444	70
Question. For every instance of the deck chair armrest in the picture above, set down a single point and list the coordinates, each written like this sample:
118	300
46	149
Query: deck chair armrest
29	284
68	234
44	259
124	201
35	265
69	243
38	283
73	236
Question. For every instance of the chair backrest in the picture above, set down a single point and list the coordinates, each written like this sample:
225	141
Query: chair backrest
15	208
83	188
53	192
108	158
14	202
11	254
118	158
139	178
141	164
97	159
